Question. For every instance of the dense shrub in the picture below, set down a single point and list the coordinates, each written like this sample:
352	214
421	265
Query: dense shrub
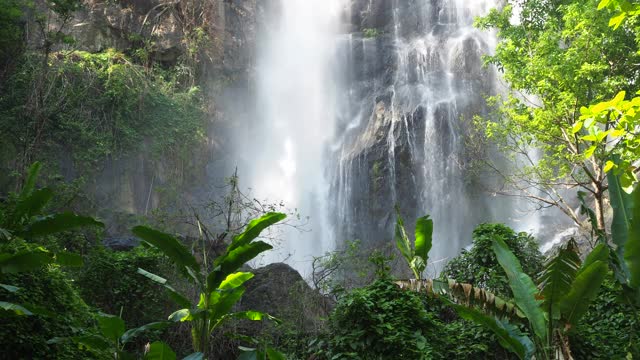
25	337
381	321
479	266
464	339
90	107
109	281
609	330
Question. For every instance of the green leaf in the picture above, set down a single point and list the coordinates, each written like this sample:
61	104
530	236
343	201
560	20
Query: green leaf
180	315
584	289
222	302
195	356
17	309
112	327
178	298
622	204
557	276
617	20
402	240
608	166
132	333
10	288
523	288
599	253
30	182
603	4
273	354
508	335
25	261
254	229
253	315
424	237
34	203
169	245
632	246
160	351
235	280
233	260
92	342
56	223
577	127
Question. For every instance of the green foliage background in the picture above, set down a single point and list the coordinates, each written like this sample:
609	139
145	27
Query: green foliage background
479	266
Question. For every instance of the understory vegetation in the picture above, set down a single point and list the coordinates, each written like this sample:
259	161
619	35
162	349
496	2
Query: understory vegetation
189	288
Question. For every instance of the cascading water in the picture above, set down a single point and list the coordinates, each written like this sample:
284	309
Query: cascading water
365	104
411	87
295	94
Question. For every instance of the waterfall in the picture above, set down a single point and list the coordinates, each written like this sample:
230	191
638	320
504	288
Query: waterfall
365	104
408	95
295	94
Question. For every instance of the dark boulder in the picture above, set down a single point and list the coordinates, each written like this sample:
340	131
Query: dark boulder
280	291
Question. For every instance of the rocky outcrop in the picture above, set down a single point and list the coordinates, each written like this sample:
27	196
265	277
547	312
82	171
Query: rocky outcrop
214	39
279	290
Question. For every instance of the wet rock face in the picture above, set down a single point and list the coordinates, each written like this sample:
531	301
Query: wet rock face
410	92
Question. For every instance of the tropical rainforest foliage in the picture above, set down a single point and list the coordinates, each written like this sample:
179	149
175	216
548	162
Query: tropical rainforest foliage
572	72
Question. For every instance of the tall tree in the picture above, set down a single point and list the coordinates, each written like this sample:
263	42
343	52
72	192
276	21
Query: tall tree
556	56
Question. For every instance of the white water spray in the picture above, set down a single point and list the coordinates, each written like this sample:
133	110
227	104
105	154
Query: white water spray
295	92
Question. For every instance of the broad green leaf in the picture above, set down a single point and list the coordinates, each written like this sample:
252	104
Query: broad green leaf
30	182
632	246
33	204
222	302
418	265
599	253
557	276
10	288
253	315
251	355
273	354
195	356
169	245
132	333
254	229
180	315
402	240
424	237
622	204
523	288
178	298
56	223
25	261
112	327
584	289
39	310
17	309
233	260
91	342
160	351
234	280
508	335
